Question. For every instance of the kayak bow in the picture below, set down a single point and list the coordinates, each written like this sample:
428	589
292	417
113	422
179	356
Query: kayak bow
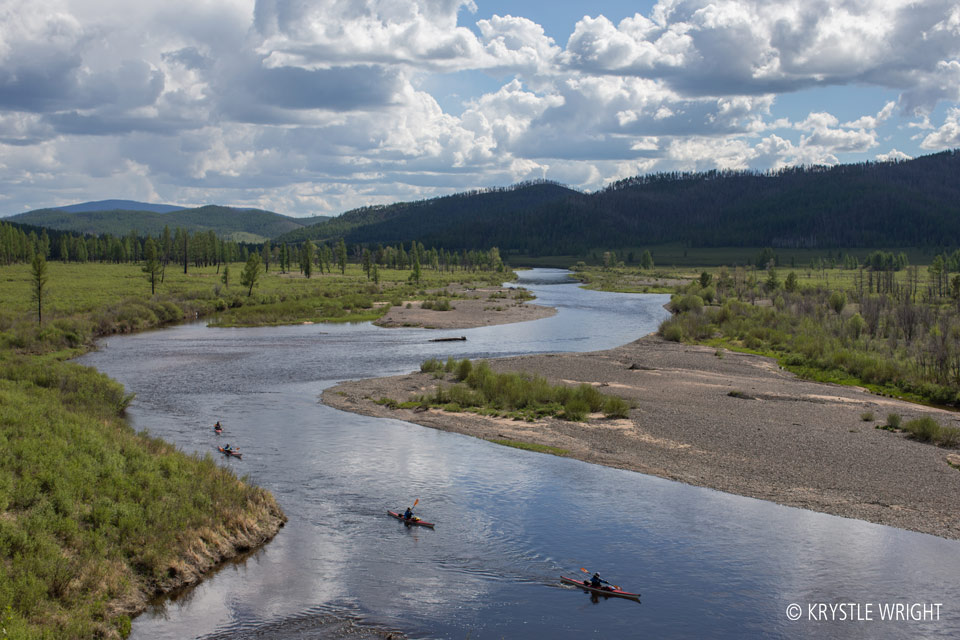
414	520
603	591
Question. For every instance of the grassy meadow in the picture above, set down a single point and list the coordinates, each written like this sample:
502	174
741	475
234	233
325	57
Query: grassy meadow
95	518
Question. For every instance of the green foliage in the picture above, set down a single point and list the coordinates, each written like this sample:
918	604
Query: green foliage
528	446
893	420
520	395
431	365
92	510
924	429
251	273
616	407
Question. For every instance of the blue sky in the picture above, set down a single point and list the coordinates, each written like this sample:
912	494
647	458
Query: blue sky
310	107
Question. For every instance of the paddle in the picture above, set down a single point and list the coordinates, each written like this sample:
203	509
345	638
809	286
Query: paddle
615	586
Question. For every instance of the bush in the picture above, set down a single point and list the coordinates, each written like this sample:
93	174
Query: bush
431	365
575	410
463	369
893	420
672	331
949	437
616	407
924	429
867	416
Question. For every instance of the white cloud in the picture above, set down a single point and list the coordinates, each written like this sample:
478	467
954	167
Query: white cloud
315	104
947	136
892	156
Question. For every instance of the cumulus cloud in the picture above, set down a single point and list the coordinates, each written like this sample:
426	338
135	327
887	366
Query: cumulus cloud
947	136
719	47
893	156
311	104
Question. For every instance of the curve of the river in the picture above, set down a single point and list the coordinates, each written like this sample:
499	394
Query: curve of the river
510	522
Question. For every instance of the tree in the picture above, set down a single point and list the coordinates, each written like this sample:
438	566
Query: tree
646	260
251	272
151	264
837	301
415	275
765	257
790	284
226	276
367	262
773	281
38	269
306	258
342	256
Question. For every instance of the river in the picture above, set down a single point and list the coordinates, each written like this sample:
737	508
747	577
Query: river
509	522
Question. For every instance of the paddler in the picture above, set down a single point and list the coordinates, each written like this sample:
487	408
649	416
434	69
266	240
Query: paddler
597	582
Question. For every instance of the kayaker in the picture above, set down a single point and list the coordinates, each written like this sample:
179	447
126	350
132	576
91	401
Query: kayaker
227	447
408	514
597	582
217	426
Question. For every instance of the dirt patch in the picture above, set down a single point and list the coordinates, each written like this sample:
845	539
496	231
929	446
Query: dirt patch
778	438
478	308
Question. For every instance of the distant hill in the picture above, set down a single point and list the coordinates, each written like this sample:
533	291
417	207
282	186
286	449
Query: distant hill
913	203
457	221
122	205
242	225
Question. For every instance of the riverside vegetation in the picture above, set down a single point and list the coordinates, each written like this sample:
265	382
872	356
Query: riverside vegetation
95	518
519	396
880	323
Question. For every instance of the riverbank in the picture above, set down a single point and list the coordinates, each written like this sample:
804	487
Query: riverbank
469	308
724	420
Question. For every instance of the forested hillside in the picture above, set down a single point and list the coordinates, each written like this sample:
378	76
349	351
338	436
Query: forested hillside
242	225
897	204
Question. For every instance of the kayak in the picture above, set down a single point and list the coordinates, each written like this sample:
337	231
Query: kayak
218	431
603	591
231	452
414	520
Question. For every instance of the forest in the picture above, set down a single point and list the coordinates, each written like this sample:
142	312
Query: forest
867	205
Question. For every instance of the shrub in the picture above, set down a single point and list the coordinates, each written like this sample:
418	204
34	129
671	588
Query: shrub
948	437
893	420
924	429
431	365
616	407
671	331
575	410
867	416
463	369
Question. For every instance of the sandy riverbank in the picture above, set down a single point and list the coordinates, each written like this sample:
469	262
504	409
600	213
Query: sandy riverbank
786	440
478	308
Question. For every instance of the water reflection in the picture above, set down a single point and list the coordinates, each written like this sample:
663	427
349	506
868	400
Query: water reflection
509	522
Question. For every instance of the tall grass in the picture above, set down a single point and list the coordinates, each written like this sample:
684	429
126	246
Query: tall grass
522	395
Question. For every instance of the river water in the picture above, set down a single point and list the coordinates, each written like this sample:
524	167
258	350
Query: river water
509	522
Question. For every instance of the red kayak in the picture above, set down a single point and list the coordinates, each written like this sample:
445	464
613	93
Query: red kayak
230	452
603	591
413	520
